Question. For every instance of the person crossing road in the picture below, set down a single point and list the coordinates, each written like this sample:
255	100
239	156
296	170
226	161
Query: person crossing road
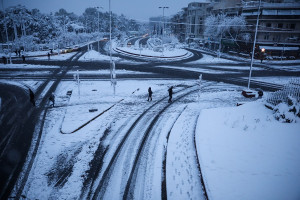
149	94
170	90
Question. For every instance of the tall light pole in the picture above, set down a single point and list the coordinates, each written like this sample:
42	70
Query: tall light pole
113	76
252	56
98	26
110	44
163	28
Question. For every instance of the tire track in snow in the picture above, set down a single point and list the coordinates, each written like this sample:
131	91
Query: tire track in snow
129	189
198	162
34	149
101	188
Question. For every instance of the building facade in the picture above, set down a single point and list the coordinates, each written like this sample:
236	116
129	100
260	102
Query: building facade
279	26
178	26
196	14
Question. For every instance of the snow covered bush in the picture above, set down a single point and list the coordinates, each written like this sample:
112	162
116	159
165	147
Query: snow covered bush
288	112
286	102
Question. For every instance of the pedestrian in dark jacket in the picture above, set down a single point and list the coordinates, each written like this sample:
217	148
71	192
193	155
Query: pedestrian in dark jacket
149	94
170	90
31	96
48	56
23	58
4	59
52	99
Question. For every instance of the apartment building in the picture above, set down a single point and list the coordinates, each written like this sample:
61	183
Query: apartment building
279	26
178	26
196	14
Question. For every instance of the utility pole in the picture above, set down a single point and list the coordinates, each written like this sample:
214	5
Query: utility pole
252	56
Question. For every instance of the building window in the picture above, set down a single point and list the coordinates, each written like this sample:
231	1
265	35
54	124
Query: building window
193	25
277	38
293	26
280	25
268	25
267	36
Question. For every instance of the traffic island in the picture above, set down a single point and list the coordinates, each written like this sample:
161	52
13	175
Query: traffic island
176	54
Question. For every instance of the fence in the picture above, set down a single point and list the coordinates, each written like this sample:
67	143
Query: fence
292	89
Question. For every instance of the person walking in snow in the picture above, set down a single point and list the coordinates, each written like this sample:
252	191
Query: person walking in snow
31	97
23	58
170	90
4	59
52	99
48	56
149	94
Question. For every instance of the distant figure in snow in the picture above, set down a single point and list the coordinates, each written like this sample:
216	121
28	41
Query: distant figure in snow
4	59
170	90
52	99
23	58
149	94
31	96
48	56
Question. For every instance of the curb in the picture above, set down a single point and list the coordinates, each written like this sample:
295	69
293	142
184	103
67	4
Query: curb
83	125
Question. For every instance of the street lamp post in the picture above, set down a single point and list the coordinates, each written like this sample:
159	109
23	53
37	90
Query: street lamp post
98	27
163	28
113	76
252	56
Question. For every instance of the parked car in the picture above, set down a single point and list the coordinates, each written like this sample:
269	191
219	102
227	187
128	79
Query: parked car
269	58
291	57
252	93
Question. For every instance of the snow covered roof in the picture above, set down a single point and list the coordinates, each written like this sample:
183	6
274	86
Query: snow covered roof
280	48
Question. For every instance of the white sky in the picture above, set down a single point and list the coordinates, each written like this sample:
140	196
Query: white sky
136	9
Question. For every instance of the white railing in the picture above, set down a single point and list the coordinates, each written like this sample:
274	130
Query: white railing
290	90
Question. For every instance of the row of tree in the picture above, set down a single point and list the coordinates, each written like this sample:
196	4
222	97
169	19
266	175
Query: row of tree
19	23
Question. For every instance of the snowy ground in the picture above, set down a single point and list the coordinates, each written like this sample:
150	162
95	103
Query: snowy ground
61	56
144	51
93	55
26	66
281	80
244	153
208	59
198	69
241	149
